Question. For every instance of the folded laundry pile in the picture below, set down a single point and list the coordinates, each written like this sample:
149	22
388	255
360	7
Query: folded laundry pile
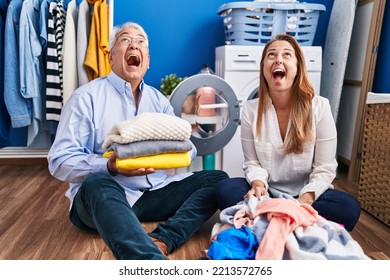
154	140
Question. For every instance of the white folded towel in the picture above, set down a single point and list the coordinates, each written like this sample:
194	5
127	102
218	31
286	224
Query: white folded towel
148	126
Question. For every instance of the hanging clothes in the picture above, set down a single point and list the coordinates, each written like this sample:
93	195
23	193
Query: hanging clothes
5	121
96	59
31	66
70	79
104	28
56	27
83	31
18	107
41	40
43	19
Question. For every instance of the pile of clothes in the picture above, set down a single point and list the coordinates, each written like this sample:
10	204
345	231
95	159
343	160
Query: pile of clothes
279	228
156	140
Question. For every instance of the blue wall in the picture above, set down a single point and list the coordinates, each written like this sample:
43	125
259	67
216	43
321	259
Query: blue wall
184	33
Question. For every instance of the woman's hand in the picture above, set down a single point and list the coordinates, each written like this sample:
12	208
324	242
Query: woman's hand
111	166
257	189
307	198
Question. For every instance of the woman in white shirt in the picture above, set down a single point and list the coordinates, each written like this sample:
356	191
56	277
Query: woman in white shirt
289	140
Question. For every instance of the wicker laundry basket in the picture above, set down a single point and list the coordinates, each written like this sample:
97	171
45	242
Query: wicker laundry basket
374	181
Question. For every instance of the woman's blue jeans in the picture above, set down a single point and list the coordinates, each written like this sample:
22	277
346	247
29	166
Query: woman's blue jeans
333	205
100	206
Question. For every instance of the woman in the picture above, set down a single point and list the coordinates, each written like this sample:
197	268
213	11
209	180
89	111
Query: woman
289	140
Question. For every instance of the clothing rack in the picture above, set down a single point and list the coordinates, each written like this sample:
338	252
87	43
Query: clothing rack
14	152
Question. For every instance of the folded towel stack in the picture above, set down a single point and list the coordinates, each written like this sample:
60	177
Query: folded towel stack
154	140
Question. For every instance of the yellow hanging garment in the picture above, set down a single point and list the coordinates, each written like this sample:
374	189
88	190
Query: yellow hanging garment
96	59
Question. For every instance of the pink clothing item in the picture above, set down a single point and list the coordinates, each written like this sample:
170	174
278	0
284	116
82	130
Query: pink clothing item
284	216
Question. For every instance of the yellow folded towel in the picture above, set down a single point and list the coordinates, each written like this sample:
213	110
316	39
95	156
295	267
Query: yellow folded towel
160	161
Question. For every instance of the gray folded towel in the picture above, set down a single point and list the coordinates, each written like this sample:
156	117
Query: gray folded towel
149	148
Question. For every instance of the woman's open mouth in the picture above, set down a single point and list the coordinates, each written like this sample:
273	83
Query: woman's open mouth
278	74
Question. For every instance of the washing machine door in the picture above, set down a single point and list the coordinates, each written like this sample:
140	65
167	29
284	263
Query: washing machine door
210	105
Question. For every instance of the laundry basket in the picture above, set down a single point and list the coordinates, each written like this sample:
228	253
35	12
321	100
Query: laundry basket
255	23
374	179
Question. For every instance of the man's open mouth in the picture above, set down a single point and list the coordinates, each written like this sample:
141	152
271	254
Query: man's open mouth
133	60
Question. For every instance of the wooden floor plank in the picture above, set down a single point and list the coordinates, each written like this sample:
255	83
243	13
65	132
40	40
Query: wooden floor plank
34	223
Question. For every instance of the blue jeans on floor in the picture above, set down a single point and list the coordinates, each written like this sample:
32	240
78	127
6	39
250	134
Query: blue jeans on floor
333	205
100	206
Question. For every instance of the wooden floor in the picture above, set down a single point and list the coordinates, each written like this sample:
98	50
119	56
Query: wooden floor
34	224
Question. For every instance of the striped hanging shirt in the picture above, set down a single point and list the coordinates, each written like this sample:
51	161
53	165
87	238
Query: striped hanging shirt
55	34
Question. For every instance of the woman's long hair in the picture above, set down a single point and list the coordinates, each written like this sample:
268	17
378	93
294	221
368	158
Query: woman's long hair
302	95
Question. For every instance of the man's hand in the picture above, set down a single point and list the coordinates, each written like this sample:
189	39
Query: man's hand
111	166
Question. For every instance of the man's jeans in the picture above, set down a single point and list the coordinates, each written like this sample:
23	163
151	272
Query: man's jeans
100	206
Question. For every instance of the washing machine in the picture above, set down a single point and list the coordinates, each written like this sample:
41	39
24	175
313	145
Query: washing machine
239	66
210	105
